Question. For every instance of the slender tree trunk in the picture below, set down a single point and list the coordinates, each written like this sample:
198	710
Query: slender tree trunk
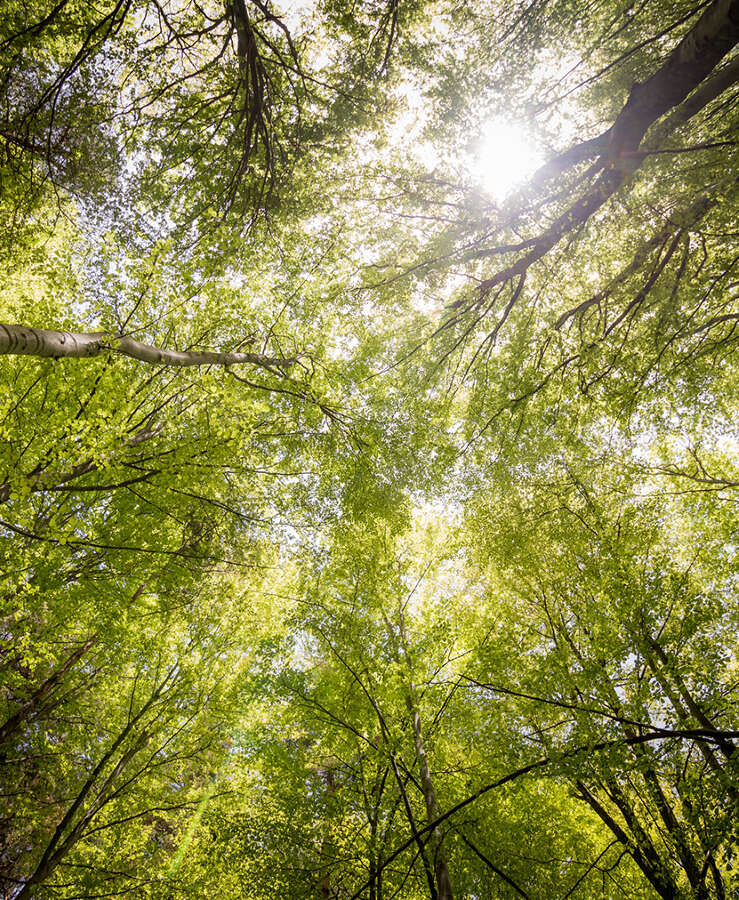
441	869
692	704
372	811
709	754
672	825
709	864
326	772
69	829
423	856
385	738
640	847
674	828
20	340
28	709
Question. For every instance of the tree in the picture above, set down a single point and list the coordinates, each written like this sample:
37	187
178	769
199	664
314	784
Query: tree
617	611
363	535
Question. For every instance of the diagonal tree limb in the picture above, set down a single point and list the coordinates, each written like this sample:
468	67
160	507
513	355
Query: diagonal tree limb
21	340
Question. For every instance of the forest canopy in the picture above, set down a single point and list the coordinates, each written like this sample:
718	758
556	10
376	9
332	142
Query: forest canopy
368	449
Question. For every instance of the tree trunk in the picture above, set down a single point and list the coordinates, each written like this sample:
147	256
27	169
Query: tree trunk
714	34
68	831
327	849
20	340
441	870
679	82
28	709
695	57
639	847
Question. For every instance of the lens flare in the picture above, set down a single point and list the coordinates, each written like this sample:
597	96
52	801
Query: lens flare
507	158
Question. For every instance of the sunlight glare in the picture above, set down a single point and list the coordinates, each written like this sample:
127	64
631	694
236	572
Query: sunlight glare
507	157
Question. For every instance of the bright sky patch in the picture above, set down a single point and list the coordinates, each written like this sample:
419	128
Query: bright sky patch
507	157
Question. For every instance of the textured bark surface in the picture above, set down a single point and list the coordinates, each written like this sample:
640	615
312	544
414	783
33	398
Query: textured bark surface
20	340
680	87
694	58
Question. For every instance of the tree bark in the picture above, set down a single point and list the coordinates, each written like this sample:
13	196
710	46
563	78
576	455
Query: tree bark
692	704
679	82
711	88
441	869
327	849
695	57
20	340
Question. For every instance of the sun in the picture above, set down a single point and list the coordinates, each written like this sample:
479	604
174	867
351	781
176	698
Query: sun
506	158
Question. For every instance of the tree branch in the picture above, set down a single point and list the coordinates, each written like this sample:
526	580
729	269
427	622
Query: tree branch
21	340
